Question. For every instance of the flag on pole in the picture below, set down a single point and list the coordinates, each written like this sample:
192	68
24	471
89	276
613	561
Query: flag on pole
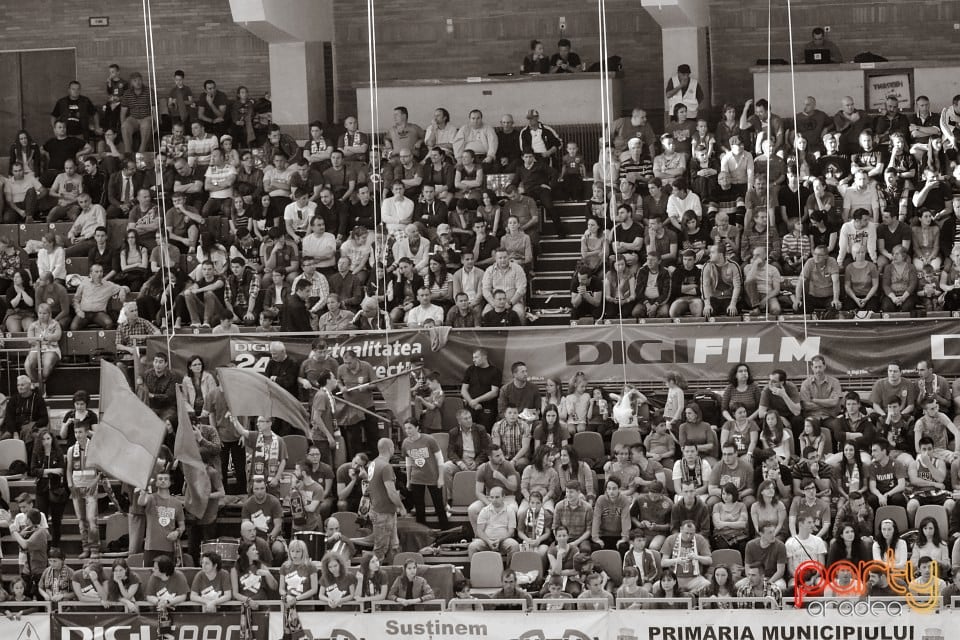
185	449
396	393
129	434
249	393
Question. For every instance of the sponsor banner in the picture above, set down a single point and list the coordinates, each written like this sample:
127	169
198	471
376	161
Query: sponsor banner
839	622
449	625
33	626
607	353
123	626
895	84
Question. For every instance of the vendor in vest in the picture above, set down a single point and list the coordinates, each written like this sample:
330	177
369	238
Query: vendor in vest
683	89
266	452
84	480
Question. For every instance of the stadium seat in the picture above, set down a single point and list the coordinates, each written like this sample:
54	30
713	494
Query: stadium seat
589	446
626	437
11	232
610	562
107	340
729	557
116	526
448	414
4	489
297	446
463	492
10	452
135	560
893	512
401	558
527	561
78	265
348	524
486	569
938	513
34	231
80	343
61	229
116	232
443	441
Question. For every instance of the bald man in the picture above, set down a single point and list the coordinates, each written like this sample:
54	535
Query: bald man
385	503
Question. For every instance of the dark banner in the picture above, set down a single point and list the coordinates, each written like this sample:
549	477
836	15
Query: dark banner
124	626
612	353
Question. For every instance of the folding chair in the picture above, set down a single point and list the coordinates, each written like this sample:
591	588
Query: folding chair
611	563
348	524
589	446
463	493
892	512
10	452
938	513
297	446
443	441
401	558
625	437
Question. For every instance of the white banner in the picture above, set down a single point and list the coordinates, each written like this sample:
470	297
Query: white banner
851	621
879	87
34	626
449	625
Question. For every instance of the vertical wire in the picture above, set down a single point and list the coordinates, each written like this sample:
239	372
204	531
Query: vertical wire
164	237
766	310
793	90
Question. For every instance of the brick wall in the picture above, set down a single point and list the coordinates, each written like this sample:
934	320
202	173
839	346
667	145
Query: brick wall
198	36
905	29
490	36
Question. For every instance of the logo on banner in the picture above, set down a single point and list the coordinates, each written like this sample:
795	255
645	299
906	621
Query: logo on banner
693	351
813	577
28	633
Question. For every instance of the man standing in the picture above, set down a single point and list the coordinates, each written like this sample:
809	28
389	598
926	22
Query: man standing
423	463
636	126
165	520
514	437
508	145
324	429
385	503
403	136
481	388
77	111
294	316
266	514
684	89
83	480
811	123
355	376
135	113
543	140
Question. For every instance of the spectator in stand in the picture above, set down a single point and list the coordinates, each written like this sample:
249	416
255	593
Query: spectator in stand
687	553
21	192
462	314
818	286
496	526
506	276
80	237
136	113
91	300
899	282
54	582
500	315
722	283
611	517
586	294
889	546
165	519
653	290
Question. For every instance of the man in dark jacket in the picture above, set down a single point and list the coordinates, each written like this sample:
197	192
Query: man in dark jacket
461	457
536	179
26	413
295	317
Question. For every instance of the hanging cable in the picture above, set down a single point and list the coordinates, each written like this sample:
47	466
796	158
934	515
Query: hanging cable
793	91
769	154
158	172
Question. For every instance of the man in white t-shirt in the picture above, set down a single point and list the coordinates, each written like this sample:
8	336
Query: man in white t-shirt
804	547
298	214
426	310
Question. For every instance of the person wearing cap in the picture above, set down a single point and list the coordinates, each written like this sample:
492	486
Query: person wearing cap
565	60
683	88
136	114
669	165
218	182
445	249
230	155
544	140
212	109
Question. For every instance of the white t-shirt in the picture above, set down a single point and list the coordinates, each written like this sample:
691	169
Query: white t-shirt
300	218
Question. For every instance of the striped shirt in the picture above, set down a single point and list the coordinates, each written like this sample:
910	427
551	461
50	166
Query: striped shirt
796	245
137	104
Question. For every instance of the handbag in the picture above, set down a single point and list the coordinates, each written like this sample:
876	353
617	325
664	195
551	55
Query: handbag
54	485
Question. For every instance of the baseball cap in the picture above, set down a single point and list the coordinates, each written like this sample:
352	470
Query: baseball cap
667	136
443	228
24	497
533	113
688	253
226	136
683	68
735	140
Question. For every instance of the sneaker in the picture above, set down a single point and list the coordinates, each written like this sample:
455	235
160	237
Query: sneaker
205	325
194	325
84	554
95	553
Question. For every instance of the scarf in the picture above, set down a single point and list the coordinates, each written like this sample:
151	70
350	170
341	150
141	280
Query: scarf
265	461
681	553
697	472
347	139
535	523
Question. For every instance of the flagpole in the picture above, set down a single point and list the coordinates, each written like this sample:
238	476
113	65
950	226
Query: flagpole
384	379
366	411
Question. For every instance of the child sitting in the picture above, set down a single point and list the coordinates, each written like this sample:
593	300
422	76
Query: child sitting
595	591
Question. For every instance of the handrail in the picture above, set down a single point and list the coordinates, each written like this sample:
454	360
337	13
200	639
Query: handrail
652	602
737	603
392	605
570	604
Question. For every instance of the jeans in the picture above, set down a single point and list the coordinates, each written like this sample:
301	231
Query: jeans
54	511
234	451
131	125
86	508
386	542
353	435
